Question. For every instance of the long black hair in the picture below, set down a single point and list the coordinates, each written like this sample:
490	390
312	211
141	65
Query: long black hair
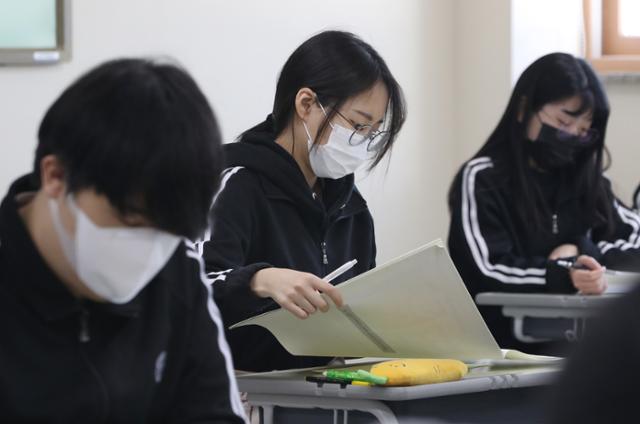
336	65
551	78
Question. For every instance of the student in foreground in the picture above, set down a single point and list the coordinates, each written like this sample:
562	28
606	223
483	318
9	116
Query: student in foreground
289	213
599	383
105	316
533	206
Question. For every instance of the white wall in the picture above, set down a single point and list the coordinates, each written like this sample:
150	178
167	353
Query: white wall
235	50
543	26
481	72
623	137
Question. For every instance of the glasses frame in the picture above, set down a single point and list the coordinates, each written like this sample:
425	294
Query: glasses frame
370	136
591	134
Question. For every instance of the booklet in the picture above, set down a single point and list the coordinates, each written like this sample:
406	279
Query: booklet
415	306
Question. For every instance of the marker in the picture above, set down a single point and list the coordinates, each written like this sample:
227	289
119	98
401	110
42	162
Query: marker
351	376
341	270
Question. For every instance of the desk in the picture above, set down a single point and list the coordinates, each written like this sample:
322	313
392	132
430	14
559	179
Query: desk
482	397
564	308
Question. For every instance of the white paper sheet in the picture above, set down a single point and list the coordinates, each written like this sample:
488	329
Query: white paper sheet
621	281
415	306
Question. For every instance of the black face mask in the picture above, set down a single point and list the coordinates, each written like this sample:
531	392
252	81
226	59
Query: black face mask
555	149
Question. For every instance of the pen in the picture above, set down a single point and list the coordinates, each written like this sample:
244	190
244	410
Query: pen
574	265
341	270
571	265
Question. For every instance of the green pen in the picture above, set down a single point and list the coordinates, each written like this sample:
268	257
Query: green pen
360	375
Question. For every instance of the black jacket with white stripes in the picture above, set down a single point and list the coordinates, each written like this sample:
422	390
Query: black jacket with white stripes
495	251
160	358
266	215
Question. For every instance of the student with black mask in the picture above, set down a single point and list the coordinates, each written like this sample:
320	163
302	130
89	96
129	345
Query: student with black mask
535	194
104	312
289	212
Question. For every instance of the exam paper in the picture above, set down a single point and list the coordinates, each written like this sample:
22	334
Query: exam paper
415	306
621	281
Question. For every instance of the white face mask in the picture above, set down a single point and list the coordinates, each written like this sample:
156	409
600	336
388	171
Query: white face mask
337	157
115	263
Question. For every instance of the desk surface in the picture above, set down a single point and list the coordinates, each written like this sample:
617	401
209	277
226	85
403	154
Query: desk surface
472	383
541	300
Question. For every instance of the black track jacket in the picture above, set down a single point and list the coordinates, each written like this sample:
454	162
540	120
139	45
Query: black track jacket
266	215
495	251
160	358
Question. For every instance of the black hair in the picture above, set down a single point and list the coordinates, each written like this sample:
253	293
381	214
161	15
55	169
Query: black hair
141	133
336	65
551	78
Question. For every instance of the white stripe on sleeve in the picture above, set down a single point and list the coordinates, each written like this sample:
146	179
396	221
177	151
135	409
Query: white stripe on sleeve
633	220
477	243
214	313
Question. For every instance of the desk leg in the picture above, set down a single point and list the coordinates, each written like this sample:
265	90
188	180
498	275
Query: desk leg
378	409
518	324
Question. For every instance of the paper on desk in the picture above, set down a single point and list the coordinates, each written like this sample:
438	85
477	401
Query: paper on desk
621	281
415	306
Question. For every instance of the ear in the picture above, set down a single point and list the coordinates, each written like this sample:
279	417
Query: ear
52	176
305	98
521	106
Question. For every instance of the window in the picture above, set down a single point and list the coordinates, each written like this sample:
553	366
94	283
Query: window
612	35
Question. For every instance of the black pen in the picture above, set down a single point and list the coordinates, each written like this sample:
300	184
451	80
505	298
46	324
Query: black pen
572	265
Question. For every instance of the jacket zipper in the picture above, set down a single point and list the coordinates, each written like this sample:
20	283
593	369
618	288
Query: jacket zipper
554	224
325	260
84	335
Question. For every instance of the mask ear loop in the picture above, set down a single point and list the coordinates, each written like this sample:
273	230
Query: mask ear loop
66	242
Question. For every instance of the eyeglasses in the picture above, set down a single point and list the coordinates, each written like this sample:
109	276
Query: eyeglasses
585	136
375	139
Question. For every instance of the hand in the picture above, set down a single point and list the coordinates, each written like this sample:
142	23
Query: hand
591	281
564	251
297	292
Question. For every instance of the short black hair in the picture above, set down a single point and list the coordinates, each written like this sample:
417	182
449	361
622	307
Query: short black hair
141	133
337	66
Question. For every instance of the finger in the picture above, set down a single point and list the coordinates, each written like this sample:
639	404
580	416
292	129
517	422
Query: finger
592	287
330	290
302	303
584	275
315	298
589	262
294	309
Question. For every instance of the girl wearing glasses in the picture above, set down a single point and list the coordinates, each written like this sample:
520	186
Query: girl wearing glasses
288	212
532	210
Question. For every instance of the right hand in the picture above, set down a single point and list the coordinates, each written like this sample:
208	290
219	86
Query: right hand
564	251
589	281
297	292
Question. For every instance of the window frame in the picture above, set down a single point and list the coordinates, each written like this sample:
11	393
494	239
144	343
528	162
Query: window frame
606	50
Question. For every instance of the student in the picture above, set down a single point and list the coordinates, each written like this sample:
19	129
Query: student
535	194
104	316
599	384
289	212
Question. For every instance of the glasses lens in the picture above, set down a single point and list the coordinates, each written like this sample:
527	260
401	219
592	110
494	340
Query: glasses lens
377	140
359	136
589	136
586	137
